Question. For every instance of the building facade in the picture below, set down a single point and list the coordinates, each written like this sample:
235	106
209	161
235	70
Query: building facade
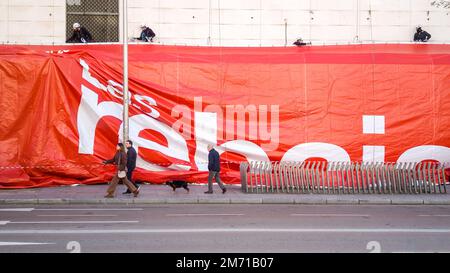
227	22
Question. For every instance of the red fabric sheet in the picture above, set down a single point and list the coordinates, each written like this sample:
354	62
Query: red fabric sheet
293	95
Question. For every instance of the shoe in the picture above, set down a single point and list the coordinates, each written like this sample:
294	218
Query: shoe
136	193
224	190
208	192
109	196
126	192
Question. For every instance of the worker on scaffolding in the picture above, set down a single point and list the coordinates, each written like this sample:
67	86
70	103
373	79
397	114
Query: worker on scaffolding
300	42
147	34
80	35
421	35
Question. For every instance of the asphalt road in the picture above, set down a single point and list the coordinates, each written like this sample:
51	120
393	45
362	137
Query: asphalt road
224	228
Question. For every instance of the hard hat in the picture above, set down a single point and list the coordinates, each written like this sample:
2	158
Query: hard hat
76	25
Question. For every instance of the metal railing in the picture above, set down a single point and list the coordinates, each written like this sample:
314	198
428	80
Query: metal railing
343	177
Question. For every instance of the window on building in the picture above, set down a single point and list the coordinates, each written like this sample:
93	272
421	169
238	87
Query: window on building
100	17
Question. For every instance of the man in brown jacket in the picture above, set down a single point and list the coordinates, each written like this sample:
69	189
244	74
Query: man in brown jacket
120	159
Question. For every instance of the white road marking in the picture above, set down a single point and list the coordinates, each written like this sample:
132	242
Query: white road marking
330	215
76	215
435	215
18	209
87	209
434	251
73	222
2	223
23	243
205	214
229	230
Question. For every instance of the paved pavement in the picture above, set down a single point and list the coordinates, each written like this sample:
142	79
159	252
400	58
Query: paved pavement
162	194
228	228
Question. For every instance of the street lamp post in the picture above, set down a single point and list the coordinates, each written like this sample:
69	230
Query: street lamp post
125	70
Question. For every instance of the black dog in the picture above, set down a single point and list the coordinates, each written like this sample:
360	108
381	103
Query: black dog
178	184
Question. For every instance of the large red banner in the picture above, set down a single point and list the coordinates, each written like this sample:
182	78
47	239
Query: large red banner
61	108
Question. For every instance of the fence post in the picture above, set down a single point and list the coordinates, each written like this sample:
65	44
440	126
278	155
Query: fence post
243	170
275	175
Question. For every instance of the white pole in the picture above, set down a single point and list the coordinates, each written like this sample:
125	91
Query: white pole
125	70
285	31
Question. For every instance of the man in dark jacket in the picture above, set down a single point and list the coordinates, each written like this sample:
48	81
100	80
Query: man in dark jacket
131	163
214	170
299	42
80	35
147	34
421	35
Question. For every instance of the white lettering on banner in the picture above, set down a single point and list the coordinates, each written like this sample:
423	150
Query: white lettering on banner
87	76
250	150
151	102
208	126
89	113
426	152
328	151
236	116
116	90
176	144
205	133
183	123
373	153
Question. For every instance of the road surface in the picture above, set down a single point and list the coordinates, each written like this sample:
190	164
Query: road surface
224	228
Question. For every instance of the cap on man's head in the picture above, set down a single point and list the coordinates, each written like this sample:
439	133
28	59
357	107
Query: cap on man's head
76	25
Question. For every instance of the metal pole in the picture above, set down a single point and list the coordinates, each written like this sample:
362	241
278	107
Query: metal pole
125	70
285	32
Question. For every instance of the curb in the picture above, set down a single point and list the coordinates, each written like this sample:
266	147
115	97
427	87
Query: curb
436	202
50	201
342	201
214	201
182	201
150	201
202	200
310	202
272	200
246	201
375	202
88	201
407	202
21	201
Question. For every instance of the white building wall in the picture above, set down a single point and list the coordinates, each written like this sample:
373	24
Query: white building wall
28	21
242	23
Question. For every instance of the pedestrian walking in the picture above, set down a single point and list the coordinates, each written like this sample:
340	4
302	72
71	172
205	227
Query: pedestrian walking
120	159
131	164
214	170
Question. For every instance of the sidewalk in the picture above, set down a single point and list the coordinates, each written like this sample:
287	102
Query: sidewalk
163	194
